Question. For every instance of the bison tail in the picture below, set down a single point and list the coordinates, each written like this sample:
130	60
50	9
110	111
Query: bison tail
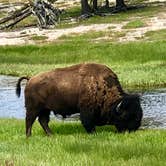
18	85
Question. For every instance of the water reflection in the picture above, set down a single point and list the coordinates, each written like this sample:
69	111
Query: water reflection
153	104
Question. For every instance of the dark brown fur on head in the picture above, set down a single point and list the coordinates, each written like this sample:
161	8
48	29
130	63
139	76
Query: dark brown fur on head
127	113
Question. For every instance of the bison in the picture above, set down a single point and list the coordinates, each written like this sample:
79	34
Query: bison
93	90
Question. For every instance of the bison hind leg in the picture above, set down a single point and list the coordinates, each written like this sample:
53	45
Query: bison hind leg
44	118
31	115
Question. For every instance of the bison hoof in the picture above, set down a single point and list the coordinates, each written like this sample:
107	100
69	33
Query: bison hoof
49	134
90	130
28	135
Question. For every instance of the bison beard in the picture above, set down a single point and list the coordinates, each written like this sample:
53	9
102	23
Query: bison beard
92	90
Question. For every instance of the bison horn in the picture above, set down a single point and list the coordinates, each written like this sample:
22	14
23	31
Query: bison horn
118	106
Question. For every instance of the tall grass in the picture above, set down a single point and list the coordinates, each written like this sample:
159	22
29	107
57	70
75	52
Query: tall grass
76	52
71	145
138	64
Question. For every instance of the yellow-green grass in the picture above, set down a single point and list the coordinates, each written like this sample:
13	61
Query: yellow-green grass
71	145
155	35
140	13
134	24
29	21
137	64
38	37
92	36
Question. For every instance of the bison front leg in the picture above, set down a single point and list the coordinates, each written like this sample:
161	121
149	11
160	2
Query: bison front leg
44	118
87	120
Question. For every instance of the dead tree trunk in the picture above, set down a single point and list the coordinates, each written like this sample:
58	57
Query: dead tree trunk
120	5
94	5
107	3
85	8
46	14
17	13
18	19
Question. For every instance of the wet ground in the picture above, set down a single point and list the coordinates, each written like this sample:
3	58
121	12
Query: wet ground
153	104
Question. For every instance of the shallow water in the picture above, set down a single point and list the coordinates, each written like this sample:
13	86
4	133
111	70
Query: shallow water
153	104
10	105
154	108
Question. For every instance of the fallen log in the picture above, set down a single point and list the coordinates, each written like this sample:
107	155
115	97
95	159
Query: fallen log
16	20
44	11
17	13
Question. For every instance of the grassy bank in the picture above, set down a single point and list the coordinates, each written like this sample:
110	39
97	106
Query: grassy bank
137	64
71	145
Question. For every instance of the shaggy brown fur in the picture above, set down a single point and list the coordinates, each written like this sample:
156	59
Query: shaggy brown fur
91	89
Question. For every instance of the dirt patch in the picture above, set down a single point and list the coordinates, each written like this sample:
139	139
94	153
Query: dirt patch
22	37
152	24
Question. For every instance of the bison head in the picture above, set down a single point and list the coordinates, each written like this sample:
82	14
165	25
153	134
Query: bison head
128	114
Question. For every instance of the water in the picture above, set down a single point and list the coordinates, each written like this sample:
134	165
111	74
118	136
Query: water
154	107
10	105
153	104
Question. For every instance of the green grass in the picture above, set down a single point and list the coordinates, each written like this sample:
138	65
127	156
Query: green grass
71	145
115	18
124	16
37	37
134	24
156	35
137	64
31	20
91	36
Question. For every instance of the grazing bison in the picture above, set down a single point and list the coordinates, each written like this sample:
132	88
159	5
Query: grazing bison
92	90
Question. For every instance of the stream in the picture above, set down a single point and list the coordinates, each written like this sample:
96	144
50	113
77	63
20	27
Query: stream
153	104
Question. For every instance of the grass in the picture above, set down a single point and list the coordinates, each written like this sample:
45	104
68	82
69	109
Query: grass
71	145
137	64
156	35
92	35
145	12
31	20
37	37
134	24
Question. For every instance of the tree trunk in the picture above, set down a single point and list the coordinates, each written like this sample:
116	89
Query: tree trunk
107	3
85	8
120	4
94	5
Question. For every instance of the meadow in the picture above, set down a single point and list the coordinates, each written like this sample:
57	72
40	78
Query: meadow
139	65
71	145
